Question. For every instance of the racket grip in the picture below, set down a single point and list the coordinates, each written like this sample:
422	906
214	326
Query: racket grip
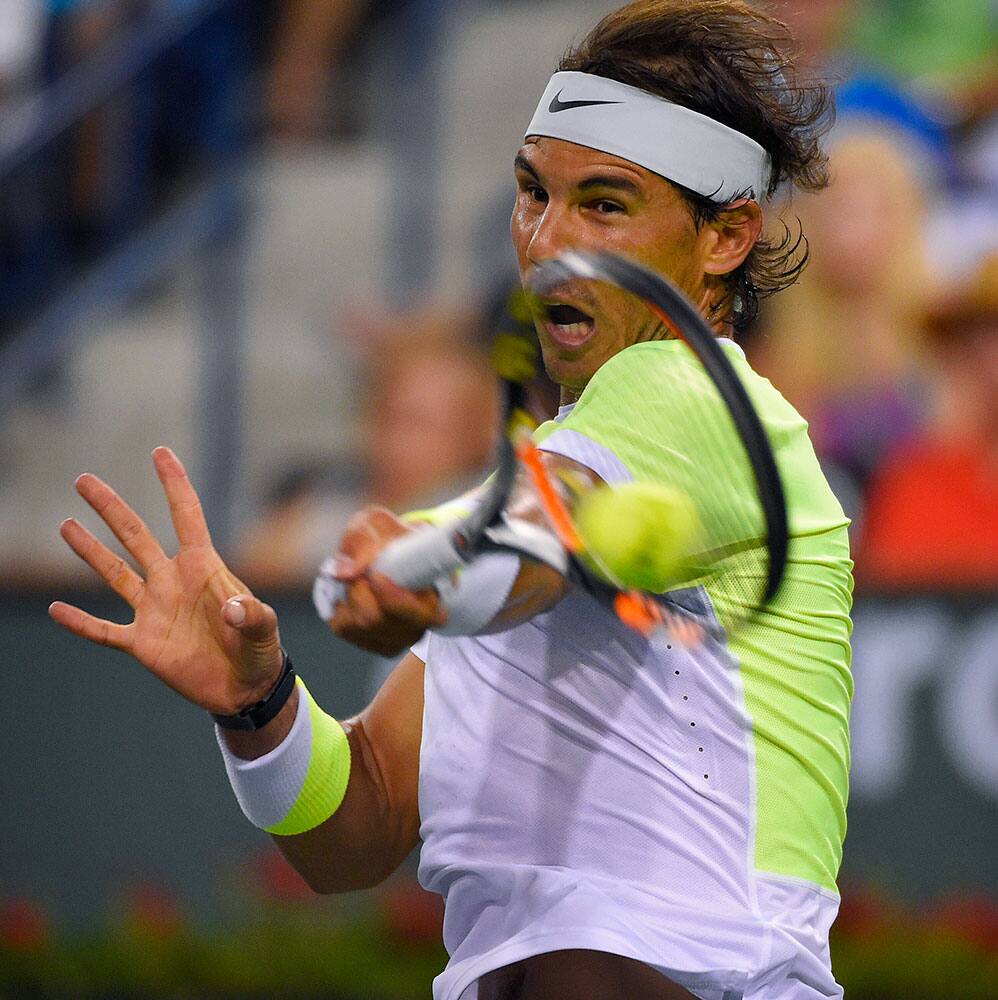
414	561
327	591
417	560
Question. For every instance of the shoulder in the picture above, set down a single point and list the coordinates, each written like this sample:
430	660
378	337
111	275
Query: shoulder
665	385
640	373
638	408
667	374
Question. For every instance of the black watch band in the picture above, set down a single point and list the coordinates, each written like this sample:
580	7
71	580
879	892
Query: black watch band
258	715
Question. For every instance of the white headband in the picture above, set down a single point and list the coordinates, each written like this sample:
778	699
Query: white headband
681	145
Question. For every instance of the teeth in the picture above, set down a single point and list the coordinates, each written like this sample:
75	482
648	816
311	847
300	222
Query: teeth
574	329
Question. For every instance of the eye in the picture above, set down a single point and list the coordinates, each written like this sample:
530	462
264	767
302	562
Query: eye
606	207
536	192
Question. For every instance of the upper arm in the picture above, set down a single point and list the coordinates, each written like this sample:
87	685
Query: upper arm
391	729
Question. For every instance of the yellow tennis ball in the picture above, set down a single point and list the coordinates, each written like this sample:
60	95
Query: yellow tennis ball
639	535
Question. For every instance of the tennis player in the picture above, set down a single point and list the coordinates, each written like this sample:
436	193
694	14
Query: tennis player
603	819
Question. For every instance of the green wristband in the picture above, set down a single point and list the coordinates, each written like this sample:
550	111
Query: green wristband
328	773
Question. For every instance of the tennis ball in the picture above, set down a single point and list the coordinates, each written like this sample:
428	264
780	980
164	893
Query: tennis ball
638	535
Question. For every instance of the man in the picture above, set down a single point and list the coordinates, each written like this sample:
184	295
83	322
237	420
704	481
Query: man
604	820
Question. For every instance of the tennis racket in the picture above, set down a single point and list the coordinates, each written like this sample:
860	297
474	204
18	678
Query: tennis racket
429	556
741	553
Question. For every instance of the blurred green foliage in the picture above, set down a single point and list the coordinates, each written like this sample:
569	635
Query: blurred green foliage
390	950
293	954
926	39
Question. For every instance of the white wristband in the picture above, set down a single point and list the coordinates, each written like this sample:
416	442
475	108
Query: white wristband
302	781
267	788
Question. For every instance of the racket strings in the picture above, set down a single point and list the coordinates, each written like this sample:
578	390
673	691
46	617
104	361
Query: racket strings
708	463
685	420
636	609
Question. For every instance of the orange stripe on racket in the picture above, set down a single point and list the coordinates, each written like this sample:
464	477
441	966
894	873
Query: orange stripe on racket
551	499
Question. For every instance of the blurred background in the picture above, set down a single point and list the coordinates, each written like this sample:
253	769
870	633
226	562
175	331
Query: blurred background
274	235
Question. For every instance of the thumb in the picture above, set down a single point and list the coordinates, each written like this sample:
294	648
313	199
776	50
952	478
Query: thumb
255	620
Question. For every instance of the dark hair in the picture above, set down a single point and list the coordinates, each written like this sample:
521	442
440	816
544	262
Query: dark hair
736	64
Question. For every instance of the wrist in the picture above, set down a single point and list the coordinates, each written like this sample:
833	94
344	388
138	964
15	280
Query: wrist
258	714
251	744
478	592
299	782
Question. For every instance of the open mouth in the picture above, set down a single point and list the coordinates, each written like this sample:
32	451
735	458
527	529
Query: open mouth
564	315
567	325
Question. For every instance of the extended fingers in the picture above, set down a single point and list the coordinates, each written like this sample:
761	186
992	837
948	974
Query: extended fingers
185	507
127	526
112	569
86	626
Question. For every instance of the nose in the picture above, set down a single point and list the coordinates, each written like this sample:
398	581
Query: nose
551	235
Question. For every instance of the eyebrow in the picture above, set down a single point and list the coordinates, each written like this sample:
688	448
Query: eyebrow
522	163
596	181
615	183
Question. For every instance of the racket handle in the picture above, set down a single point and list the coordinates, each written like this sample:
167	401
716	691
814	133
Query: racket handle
414	561
327	591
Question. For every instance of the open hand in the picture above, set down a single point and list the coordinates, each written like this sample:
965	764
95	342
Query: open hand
196	626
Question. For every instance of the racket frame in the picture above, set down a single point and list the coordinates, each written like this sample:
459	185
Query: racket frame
427	557
680	317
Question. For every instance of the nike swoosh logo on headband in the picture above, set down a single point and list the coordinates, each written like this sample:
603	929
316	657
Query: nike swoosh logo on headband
557	104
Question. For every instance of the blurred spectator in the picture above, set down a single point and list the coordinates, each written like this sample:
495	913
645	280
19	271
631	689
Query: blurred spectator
429	434
932	514
505	330
32	198
321	49
108	174
844	344
820	28
22	28
96	185
312	36
185	113
964	229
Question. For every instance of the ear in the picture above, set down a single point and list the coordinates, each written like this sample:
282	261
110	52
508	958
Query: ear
730	237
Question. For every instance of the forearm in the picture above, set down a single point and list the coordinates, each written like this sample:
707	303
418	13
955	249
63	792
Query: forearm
536	589
339	802
367	837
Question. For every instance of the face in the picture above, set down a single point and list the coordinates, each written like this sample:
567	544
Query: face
869	219
412	447
573	197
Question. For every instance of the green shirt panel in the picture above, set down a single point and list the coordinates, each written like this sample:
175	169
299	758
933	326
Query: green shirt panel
793	658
